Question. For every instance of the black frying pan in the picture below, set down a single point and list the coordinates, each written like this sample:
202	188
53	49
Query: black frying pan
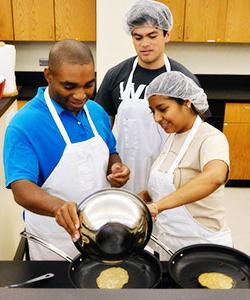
144	271
143	268
188	263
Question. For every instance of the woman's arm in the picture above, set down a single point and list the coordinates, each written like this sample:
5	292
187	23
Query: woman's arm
214	174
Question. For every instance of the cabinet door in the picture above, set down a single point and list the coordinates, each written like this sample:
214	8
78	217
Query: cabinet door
75	19
239	143
6	23
237	113
238	21
33	20
21	103
177	8
237	130
205	20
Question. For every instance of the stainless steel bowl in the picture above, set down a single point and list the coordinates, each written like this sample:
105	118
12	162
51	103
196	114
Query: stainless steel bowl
114	224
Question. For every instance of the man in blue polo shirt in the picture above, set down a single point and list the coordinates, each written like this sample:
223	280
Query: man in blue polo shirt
59	148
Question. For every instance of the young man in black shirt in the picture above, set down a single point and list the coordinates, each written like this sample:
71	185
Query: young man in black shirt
139	138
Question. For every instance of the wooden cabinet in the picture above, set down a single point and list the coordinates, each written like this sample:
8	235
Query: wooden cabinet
177	8
75	19
194	20
237	130
205	20
51	20
217	21
21	103
33	20
238	21
6	22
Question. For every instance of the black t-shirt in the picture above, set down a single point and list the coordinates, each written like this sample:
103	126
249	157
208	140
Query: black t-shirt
115	81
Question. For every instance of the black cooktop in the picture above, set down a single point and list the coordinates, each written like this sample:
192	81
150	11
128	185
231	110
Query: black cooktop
18	271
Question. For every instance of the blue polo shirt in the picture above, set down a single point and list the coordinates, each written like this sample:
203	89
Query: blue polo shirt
33	144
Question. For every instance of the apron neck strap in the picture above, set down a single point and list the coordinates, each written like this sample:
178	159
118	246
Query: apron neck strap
186	144
56	117
59	122
130	78
92	125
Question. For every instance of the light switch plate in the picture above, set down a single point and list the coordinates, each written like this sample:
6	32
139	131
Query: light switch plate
43	62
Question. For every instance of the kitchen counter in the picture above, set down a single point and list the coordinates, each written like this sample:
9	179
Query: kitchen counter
5	103
60	287
87	294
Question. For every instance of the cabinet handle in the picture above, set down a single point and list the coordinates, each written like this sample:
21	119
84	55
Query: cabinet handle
247	107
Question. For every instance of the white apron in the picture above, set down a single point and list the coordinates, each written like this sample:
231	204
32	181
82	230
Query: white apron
176	227
80	172
139	137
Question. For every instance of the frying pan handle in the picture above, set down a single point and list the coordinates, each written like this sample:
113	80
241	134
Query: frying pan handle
45	244
163	246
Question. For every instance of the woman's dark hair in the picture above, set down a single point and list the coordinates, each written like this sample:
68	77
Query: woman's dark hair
182	101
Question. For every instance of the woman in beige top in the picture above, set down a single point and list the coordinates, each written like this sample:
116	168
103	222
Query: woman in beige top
186	181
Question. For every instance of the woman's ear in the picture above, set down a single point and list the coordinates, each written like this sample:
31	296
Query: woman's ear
188	103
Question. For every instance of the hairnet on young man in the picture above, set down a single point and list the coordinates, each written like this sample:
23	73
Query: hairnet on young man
148	12
177	85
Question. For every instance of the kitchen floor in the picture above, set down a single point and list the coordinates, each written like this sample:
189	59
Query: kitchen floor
238	214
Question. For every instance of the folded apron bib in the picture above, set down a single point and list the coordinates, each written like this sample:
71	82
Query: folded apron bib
139	137
81	171
176	227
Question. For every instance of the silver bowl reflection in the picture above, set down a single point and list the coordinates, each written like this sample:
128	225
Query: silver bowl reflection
114	224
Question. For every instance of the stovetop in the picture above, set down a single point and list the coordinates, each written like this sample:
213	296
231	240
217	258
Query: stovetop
19	271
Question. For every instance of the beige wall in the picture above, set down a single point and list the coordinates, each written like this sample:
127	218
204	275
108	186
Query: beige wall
11	223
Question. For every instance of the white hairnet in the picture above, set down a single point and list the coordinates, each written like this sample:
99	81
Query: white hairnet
177	85
148	12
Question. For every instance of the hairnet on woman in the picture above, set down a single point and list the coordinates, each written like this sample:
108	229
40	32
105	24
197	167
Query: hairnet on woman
186	181
177	85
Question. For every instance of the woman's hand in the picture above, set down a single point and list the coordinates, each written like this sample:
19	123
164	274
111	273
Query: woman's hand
119	174
67	217
153	210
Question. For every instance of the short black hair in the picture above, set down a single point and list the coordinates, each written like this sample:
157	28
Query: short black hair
69	51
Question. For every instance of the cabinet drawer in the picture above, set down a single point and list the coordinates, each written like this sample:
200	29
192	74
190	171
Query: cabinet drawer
21	103
237	113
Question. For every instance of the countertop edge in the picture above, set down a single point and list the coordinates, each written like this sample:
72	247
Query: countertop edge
5	103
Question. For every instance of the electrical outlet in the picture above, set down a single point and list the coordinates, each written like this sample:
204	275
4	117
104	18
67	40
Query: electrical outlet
43	62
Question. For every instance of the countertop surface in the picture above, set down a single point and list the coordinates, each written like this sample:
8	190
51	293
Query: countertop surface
5	103
218	86
133	294
59	287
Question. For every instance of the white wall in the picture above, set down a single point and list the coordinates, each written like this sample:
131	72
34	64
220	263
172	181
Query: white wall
29	53
114	45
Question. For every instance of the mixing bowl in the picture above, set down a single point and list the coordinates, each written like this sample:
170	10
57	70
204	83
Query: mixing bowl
114	224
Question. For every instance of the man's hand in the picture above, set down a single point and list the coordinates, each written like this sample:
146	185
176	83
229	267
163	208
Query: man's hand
144	195
119	174
66	216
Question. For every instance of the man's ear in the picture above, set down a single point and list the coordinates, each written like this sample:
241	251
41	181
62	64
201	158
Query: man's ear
47	75
167	37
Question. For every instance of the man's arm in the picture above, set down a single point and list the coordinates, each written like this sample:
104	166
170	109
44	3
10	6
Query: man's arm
35	199
117	173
